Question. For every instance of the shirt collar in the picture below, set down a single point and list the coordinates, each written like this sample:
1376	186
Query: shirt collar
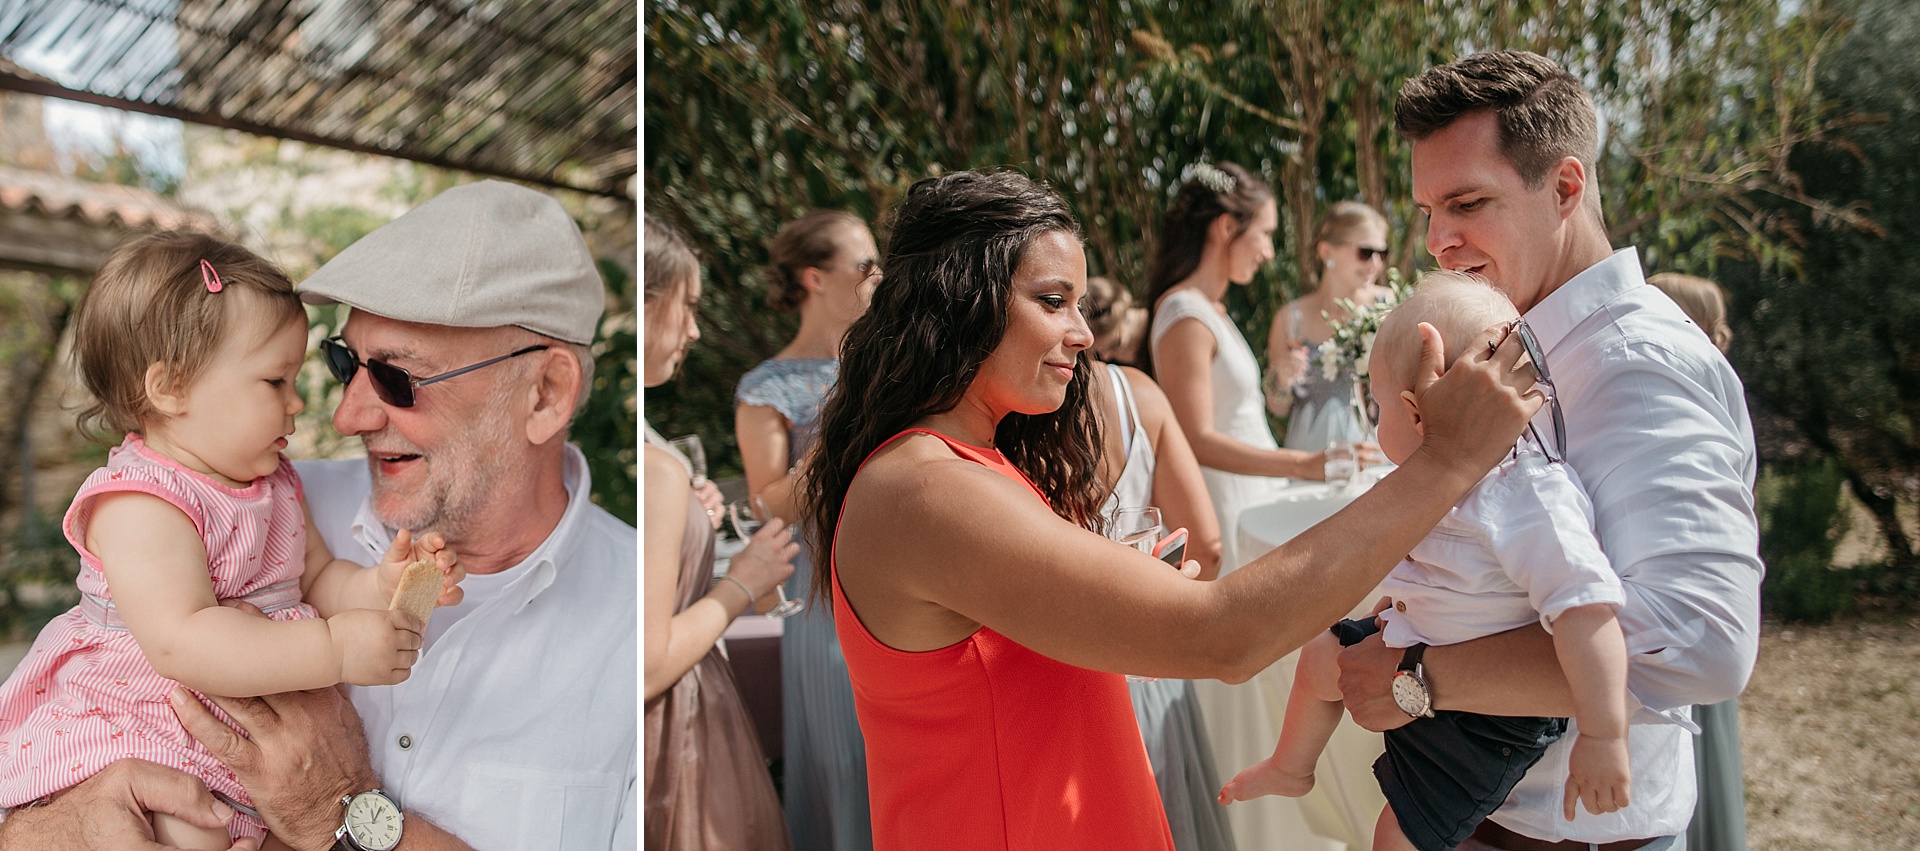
1583	295
539	564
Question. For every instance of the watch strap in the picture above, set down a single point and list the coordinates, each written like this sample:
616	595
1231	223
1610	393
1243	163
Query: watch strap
1410	661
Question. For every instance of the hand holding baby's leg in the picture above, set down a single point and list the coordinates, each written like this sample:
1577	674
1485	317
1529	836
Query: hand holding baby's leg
1313	711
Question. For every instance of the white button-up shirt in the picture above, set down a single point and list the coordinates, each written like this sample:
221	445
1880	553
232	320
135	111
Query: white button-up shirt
1657	428
517	728
1517	549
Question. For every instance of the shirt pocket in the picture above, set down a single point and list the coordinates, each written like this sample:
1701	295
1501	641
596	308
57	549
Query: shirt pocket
527	807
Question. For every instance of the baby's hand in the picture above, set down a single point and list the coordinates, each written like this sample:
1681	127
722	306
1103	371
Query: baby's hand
376	647
1597	773
432	547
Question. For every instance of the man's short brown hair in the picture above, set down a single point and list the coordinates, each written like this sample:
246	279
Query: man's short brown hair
1545	114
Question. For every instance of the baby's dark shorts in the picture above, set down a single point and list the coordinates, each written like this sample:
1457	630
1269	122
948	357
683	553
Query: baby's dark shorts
1443	775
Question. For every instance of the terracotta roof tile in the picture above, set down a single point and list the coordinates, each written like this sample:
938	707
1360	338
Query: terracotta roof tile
100	204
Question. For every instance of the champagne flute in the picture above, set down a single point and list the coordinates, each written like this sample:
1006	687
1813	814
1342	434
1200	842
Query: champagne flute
1138	528
696	456
747	519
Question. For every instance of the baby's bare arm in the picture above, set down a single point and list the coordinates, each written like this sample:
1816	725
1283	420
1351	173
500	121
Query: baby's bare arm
157	574
1593	653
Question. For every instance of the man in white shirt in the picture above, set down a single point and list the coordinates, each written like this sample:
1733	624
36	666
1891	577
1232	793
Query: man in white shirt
464	359
1657	427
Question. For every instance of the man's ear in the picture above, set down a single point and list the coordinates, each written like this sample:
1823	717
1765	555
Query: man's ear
1569	186
165	392
555	389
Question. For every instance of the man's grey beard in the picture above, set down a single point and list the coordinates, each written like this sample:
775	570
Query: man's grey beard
458	498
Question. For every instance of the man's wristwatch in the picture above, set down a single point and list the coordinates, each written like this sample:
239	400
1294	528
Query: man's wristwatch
1410	684
372	822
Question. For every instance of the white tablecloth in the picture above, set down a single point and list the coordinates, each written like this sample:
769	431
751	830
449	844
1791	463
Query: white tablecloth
1294	509
1244	720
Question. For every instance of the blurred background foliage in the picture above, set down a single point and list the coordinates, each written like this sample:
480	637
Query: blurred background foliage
1764	143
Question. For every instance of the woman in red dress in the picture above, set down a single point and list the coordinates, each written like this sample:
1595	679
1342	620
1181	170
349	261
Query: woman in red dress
956	487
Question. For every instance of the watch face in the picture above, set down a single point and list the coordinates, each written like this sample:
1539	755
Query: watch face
373	821
1410	694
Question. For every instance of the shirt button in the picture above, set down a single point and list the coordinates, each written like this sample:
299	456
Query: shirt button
406	742
1399	605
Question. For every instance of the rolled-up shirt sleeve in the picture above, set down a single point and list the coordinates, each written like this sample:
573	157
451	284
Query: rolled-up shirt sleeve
1669	462
1543	538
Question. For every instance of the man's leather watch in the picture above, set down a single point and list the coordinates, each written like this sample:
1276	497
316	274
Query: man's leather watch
1410	684
372	822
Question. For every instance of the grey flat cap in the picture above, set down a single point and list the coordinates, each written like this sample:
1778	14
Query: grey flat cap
479	255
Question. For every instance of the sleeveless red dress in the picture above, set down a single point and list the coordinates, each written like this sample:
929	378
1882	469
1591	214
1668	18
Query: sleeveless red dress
985	744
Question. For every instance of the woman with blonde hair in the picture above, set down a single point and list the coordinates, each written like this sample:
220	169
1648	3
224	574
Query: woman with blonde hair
824	266
1720	816
1703	301
1352	246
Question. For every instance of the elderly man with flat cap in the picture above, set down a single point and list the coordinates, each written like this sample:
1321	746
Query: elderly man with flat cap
464	359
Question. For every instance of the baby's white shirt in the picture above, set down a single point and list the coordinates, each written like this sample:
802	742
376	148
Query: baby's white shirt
1517	548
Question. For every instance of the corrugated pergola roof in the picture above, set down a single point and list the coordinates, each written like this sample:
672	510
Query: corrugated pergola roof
542	91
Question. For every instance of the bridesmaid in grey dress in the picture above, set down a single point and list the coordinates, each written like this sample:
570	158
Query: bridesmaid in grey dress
1149	463
825	266
1352	245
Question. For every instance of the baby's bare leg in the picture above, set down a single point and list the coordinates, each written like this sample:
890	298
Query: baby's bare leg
1313	711
180	833
1387	835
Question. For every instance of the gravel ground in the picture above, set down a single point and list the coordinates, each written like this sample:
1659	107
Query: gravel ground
1830	729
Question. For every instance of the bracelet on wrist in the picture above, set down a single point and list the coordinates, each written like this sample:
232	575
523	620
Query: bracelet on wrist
741	585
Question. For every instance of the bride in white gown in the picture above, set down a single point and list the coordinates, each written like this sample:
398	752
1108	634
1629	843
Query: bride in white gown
1218	232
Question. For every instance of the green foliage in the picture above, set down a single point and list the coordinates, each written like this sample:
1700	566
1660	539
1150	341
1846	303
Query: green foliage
37	583
605	428
1801	519
1829	349
757	112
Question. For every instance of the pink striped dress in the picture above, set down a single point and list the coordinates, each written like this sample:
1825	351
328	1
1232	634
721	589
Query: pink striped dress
85	696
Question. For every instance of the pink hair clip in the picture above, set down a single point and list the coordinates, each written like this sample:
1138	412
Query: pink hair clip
210	276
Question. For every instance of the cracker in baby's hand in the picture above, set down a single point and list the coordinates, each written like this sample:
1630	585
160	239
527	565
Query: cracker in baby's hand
419	588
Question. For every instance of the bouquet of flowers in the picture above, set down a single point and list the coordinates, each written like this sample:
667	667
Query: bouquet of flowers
1352	342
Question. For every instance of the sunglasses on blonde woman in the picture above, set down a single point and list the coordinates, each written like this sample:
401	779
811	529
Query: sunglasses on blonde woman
392	384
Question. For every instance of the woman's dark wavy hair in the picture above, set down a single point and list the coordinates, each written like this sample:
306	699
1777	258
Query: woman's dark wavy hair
941	309
1183	233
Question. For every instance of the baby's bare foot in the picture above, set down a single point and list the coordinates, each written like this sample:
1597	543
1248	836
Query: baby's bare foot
1266	778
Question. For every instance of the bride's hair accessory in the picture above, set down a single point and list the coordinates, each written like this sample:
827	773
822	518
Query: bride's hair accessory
1210	176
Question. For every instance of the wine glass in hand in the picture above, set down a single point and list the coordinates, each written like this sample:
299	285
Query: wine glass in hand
1138	528
696	456
747	519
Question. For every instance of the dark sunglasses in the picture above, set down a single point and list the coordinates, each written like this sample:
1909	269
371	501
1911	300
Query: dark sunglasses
1367	254
1539	358
392	384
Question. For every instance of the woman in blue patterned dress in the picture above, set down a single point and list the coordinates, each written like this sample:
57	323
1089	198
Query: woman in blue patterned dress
825	266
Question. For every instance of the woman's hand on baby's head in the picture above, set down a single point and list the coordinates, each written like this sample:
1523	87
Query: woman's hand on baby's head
376	647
